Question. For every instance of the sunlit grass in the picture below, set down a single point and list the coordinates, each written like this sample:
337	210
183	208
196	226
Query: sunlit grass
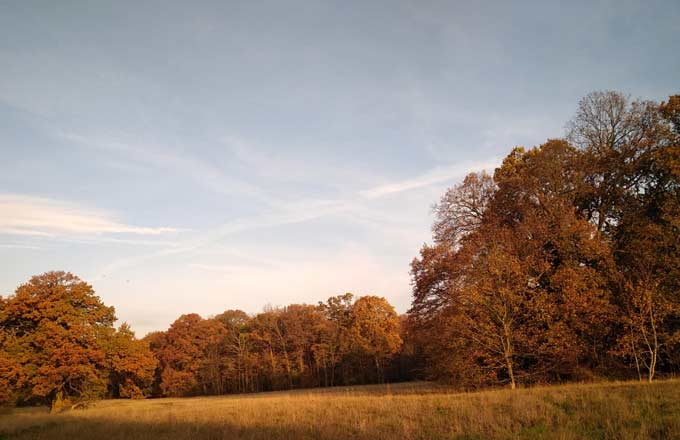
627	410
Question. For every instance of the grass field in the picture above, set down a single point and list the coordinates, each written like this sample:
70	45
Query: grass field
622	410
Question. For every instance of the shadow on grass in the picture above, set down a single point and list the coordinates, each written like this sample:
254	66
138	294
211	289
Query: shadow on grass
74	429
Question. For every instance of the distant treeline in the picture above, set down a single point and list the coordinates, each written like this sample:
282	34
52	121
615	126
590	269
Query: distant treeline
563	265
340	342
59	346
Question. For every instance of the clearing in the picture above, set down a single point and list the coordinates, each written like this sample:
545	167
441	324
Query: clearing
621	410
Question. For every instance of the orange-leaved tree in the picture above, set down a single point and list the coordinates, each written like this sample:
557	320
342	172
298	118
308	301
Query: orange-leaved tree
58	345
130	364
375	331
56	322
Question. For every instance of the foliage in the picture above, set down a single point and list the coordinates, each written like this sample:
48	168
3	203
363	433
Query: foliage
565	264
59	344
337	342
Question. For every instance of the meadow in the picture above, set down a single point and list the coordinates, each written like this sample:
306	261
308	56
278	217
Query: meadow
613	410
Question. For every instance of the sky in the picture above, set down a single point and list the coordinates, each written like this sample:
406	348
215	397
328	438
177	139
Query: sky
202	156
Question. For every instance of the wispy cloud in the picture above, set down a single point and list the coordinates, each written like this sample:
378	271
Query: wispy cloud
41	217
353	208
232	267
200	171
297	213
284	165
434	176
18	246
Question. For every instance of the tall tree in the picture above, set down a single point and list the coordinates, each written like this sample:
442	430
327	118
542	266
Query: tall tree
335	341
12	374
459	213
618	138
183	353
55	322
461	209
375	330
130	363
648	253
524	295
630	154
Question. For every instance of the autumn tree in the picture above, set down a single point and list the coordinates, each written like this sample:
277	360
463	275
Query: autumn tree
630	154
437	275
130	364
334	344
572	256
230	359
646	243
233	319
12	375
182	355
55	322
437	272
375	331
618	138
243	358
267	338
525	293
461	209
58	345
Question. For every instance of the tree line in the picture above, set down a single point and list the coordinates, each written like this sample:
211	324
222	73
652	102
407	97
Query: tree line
59	347
343	341
562	265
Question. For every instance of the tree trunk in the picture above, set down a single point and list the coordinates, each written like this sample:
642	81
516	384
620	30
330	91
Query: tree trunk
655	345
637	361
57	402
507	353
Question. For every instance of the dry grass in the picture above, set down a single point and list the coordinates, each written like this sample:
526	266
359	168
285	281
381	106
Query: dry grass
410	411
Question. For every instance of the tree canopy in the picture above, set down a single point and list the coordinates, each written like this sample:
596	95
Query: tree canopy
564	265
59	344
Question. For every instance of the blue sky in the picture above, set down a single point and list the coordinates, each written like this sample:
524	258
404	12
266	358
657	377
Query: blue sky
200	156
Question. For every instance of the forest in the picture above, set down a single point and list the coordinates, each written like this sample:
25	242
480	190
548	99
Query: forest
564	265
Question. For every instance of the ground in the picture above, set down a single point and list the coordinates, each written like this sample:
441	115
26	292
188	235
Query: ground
619	410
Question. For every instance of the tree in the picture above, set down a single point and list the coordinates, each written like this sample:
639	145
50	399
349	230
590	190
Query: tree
631	153
618	139
459	213
334	344
12	375
55	322
375	329
182	355
461	209
647	252
130	363
573	251
233	319
522	296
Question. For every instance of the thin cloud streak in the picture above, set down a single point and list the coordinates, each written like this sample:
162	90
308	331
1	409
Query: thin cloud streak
229	268
307	210
201	172
227	229
41	217
432	177
19	246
